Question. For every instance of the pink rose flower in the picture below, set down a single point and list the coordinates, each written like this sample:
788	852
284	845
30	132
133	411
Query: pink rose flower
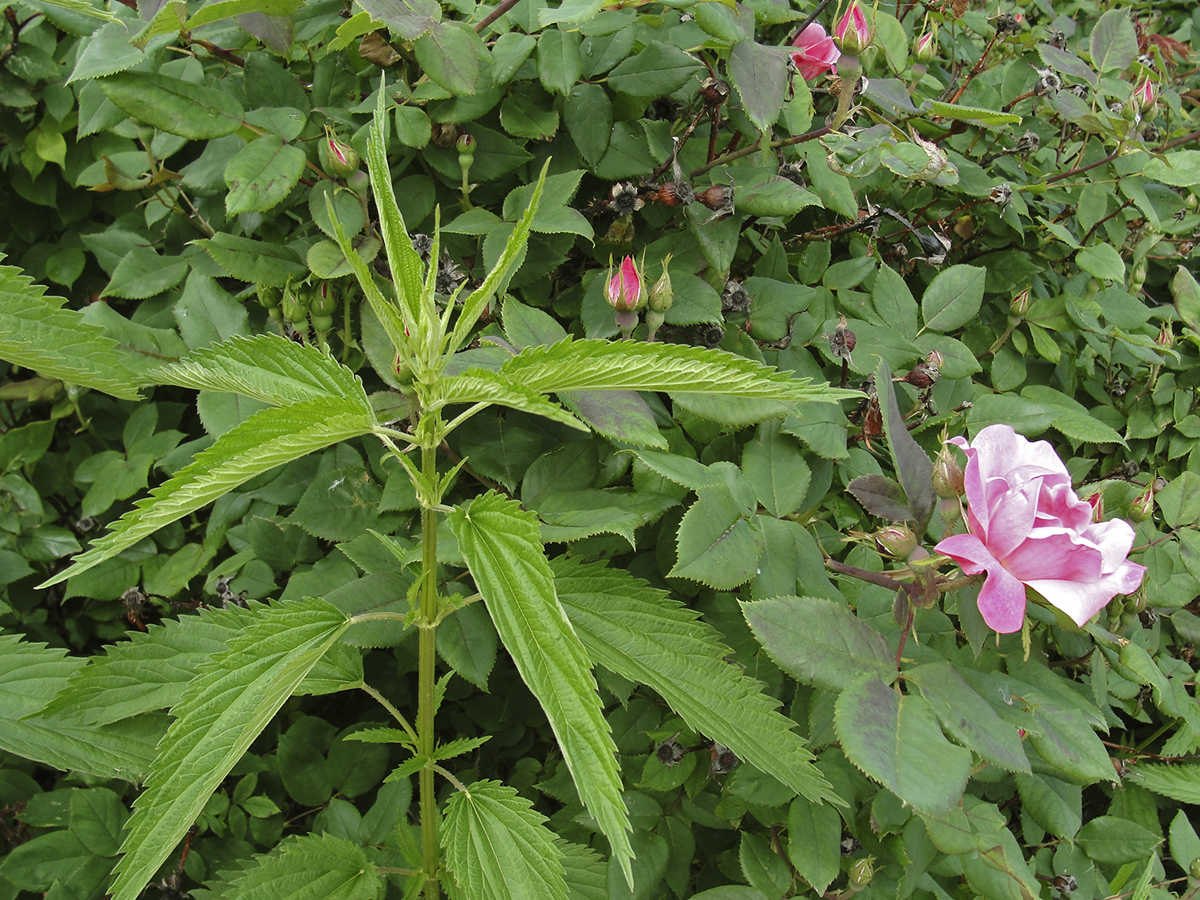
815	52
1029	528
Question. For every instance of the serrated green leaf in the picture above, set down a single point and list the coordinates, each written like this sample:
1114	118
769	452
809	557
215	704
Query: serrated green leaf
174	105
37	333
818	641
967	717
896	740
497	847
504	553
30	676
478	300
458	747
405	264
265	440
216	10
262	174
308	867
1113	41
574	515
814	845
151	670
269	368
222	712
255	262
1180	783
719	539
481	386
1114	840
759	73
637	631
953	298
449	56
594	365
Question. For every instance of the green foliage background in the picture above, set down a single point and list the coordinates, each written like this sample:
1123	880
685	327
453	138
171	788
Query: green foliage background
162	175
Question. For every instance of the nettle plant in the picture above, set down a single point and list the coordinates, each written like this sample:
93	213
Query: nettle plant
556	619
761	660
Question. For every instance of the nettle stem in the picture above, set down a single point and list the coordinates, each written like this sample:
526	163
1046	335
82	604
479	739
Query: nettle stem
427	676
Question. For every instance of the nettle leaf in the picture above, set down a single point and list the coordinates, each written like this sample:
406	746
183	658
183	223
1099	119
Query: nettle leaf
639	632
222	712
30	676
308	867
477	301
498	848
269	368
481	386
1179	783
595	365
913	465
37	333
818	641
151	670
896	740
504	552
174	105
267	439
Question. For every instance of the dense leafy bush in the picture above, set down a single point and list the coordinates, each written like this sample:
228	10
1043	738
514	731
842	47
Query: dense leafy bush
734	665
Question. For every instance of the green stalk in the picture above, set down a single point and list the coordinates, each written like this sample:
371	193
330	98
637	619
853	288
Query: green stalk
427	679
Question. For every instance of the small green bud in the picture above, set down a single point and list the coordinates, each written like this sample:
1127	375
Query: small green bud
295	305
1194	868
337	159
862	873
896	540
268	297
324	301
662	295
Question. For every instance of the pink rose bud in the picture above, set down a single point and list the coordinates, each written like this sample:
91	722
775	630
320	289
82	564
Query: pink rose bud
862	872
1019	305
625	292
815	52
1143	95
924	48
1028	529
897	540
852	33
337	159
1096	501
1166	337
1142	508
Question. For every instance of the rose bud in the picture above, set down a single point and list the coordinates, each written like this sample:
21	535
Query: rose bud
896	540
1096	501
862	873
853	34
1166	337
1143	95
1019	305
923	49
625	292
947	475
1142	508
337	159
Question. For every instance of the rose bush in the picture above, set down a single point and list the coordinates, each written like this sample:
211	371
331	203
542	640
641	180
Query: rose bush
1029	528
